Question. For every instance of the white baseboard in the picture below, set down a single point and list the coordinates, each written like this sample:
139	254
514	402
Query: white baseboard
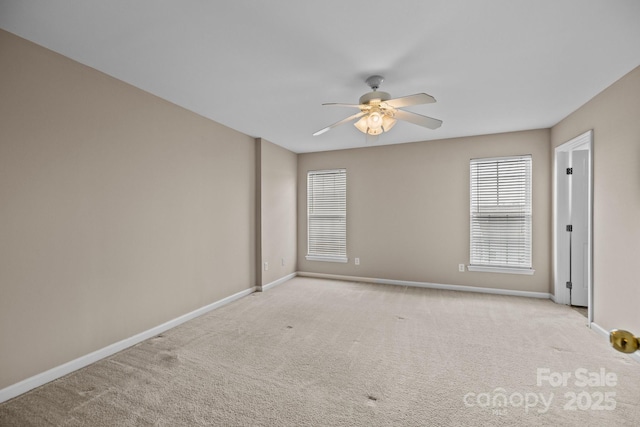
66	368
599	329
276	282
543	295
602	331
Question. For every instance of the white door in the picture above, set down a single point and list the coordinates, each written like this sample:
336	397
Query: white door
563	238
579	221
573	249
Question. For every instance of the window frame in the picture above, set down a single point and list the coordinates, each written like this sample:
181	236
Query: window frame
507	211
335	254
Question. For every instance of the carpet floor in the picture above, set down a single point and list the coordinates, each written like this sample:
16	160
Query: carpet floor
314	352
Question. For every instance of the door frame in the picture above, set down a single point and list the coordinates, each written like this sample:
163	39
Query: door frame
561	294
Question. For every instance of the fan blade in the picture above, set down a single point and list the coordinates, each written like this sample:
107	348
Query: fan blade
407	101
348	119
418	119
337	104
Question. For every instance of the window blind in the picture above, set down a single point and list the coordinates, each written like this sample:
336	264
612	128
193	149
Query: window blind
501	212
327	215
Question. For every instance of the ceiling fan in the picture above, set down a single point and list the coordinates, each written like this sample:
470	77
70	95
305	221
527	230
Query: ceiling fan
379	113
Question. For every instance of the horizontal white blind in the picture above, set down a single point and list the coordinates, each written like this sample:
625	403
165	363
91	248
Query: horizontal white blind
327	213
501	212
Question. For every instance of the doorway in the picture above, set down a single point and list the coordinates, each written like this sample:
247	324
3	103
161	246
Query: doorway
573	219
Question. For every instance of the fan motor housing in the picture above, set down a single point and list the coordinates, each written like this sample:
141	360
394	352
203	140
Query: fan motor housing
367	97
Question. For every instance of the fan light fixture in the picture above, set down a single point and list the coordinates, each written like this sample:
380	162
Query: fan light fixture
375	122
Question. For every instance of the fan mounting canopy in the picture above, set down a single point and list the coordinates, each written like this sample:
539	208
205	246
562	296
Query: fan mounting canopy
374	82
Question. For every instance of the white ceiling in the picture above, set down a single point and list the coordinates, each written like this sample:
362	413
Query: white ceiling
265	67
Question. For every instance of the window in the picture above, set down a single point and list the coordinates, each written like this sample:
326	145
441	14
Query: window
327	215
501	215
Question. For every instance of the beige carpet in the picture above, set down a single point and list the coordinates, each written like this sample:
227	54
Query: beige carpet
328	353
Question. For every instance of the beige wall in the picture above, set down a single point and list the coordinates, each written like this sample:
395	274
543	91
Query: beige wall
119	211
408	209
614	117
277	239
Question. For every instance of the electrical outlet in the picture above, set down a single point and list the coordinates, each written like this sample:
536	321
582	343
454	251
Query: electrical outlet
283	262
266	266
461	268
357	261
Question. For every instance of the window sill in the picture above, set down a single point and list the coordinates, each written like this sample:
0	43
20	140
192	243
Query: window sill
343	260
505	270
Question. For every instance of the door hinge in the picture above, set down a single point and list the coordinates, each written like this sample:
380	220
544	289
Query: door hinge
569	171
569	228
569	285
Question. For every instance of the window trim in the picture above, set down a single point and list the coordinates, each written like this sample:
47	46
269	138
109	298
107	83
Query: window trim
340	258
343	260
494	268
505	270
